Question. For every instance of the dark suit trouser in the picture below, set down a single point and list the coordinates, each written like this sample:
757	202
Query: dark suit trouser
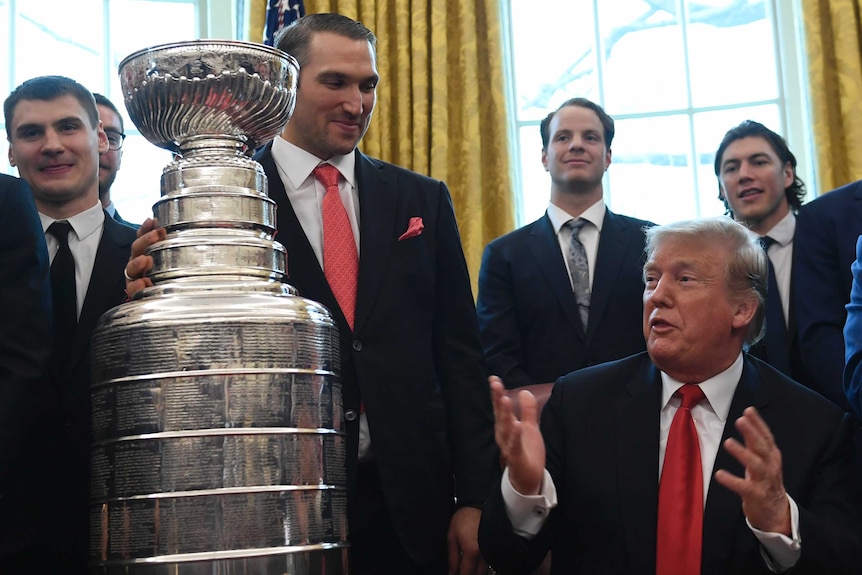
375	548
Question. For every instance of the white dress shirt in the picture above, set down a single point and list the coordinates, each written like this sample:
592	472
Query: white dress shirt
84	240
589	235
305	192
781	255
528	513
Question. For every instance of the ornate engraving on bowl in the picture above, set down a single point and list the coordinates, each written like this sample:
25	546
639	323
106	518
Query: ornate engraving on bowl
175	92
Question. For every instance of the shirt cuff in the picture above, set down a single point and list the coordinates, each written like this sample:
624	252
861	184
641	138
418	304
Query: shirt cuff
779	551
528	513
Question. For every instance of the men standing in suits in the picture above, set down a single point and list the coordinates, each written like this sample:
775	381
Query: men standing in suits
594	483
55	140
109	162
829	225
535	321
758	184
25	343
411	363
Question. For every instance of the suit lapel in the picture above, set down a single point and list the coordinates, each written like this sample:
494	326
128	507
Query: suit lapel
637	423
723	513
610	257
105	289
378	206
545	248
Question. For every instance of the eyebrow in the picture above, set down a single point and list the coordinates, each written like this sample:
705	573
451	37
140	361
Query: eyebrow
751	157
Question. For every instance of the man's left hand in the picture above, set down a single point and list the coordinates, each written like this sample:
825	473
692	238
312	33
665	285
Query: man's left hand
764	500
463	539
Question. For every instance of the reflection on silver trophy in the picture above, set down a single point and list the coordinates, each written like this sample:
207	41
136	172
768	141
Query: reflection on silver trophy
216	400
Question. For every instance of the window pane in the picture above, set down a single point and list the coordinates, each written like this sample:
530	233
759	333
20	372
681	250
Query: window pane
535	181
4	26
650	174
136	188
645	66
553	54
731	53
70	34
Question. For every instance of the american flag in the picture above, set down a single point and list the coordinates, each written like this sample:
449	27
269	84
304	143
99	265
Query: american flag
280	13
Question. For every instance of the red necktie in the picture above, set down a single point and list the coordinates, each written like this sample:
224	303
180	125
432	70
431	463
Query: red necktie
680	493
340	259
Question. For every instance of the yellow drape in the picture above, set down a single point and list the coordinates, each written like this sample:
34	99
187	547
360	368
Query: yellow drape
833	31
440	103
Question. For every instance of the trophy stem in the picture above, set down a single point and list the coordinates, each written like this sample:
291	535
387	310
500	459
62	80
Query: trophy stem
194	146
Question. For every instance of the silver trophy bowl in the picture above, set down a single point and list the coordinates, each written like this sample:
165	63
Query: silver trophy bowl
216	401
185	91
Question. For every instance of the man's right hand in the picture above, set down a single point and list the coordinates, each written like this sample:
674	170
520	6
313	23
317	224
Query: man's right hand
139	264
520	440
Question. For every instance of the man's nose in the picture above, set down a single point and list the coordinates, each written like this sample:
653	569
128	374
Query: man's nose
52	142
353	101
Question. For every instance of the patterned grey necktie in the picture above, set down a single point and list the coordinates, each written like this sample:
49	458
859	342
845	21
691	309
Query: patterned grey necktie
579	270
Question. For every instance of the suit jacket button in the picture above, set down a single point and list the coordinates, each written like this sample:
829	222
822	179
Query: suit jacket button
357	345
350	415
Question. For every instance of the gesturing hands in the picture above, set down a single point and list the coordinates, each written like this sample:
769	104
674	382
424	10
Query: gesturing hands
520	441
764	500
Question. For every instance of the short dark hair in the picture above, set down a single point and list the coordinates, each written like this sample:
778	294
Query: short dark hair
607	121
795	193
103	101
294	39
47	88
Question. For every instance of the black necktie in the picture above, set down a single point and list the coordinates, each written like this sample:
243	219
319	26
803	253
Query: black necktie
775	339
64	296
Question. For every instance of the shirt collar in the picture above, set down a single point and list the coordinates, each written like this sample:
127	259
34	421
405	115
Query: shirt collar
783	231
718	389
595	214
297	164
83	223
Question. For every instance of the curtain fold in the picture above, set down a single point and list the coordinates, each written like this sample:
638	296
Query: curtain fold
441	107
833	37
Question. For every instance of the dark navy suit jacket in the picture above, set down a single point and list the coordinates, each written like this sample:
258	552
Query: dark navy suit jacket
25	343
853	336
601	431
823	250
528	318
414	358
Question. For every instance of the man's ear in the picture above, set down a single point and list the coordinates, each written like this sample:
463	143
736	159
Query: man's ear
744	313
11	157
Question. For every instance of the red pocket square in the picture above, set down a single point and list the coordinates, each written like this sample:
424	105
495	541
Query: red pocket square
414	228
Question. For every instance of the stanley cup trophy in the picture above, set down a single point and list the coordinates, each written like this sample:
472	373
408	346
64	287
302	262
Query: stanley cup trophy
216	400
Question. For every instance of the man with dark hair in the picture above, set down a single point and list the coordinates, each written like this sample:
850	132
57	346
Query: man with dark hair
758	184
640	465
55	139
543	312
109	162
827	227
411	363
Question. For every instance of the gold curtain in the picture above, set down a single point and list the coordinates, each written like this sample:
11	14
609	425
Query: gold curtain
833	34
441	108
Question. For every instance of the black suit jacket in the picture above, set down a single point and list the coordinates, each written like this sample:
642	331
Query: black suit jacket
106	290
601	429
414	358
823	250
118	218
25	343
528	317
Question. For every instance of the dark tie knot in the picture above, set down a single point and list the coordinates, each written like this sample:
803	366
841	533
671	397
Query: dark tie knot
766	241
690	394
60	230
327	174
